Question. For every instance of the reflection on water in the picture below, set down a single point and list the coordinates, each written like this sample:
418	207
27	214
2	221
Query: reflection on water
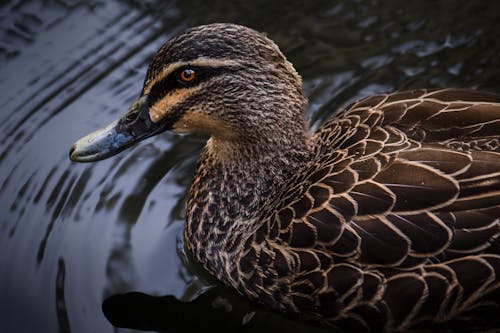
74	235
217	307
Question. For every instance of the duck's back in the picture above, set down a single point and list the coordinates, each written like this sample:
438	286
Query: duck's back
426	163
396	219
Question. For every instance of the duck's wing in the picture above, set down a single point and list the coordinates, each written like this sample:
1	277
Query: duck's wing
390	187
457	118
397	217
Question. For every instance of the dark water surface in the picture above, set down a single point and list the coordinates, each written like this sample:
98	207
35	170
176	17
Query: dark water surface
72	235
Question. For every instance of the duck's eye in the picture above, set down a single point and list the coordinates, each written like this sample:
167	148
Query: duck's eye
187	75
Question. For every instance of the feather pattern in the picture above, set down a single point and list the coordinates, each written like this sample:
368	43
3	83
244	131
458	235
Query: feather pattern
396	219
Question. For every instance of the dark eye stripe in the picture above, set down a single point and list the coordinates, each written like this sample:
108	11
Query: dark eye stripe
173	82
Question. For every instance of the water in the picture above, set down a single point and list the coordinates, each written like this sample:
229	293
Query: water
72	235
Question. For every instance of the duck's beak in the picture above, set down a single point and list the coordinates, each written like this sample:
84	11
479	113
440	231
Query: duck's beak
132	127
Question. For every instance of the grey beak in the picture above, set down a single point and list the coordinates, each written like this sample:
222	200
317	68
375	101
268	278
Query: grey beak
132	127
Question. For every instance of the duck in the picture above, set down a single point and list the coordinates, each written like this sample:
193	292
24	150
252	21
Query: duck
385	218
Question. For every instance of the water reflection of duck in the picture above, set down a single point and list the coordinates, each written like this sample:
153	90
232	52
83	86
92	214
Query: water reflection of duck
386	217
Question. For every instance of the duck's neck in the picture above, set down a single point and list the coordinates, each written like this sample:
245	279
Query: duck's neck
232	184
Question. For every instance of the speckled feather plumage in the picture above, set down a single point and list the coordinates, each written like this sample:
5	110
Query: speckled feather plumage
386	217
382	231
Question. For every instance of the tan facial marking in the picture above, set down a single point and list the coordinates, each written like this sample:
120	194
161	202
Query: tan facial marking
161	108
200	62
196	121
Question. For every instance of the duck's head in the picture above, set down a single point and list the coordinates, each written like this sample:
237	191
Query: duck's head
223	79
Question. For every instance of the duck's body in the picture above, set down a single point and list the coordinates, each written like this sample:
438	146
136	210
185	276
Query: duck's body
386	217
380	225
